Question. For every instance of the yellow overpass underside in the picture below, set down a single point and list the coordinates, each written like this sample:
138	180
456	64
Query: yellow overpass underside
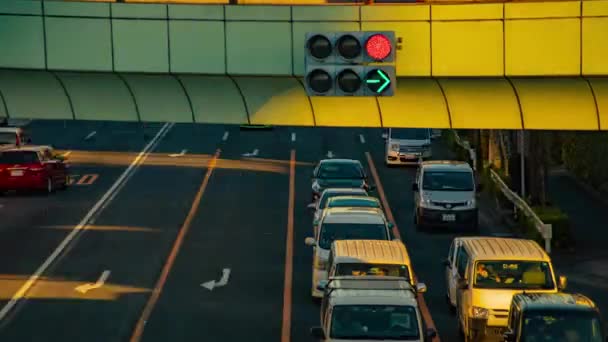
500	103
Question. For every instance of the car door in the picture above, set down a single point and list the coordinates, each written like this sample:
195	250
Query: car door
462	267
418	181
450	270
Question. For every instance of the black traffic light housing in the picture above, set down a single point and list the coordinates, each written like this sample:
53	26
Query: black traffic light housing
350	80
336	63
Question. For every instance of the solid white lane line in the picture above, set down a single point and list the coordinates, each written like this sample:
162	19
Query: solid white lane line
83	223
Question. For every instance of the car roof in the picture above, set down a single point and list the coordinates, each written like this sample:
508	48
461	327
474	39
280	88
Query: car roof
371	291
344	191
497	248
445	165
567	301
351	199
354	215
372	251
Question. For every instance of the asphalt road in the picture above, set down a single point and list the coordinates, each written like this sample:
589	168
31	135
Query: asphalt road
208	203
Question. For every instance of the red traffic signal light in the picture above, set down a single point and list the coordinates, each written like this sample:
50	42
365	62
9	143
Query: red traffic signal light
378	47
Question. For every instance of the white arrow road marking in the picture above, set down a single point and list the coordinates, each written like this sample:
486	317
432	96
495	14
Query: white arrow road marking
251	154
293	137
225	137
210	285
362	138
182	153
99	283
330	154
92	134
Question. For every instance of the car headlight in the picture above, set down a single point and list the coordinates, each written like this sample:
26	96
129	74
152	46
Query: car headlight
478	312
471	202
315	186
395	147
425	202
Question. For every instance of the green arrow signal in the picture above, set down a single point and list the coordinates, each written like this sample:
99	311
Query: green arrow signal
386	81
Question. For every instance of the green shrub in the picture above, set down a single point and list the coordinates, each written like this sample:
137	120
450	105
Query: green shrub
583	154
562	236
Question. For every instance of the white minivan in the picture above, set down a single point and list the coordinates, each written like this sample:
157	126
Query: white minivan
407	145
445	195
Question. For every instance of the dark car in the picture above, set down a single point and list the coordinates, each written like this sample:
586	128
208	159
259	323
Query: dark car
338	173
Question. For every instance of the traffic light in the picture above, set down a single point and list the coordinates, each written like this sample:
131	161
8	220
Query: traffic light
336	63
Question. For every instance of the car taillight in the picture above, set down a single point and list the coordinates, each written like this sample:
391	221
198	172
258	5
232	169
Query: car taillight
36	169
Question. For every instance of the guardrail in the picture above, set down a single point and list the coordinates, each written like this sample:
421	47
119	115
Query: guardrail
546	230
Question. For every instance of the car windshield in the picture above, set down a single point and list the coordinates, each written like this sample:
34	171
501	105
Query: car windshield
8	138
340	171
562	326
352	202
361	269
447	181
331	232
374	322
513	274
18	157
410	133
327	196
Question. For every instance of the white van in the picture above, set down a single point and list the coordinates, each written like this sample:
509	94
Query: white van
445	195
371	309
344	224
407	145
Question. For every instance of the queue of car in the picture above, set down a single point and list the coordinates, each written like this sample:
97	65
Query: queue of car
361	271
24	166
499	288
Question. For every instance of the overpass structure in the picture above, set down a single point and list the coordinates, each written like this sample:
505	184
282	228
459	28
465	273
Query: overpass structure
496	65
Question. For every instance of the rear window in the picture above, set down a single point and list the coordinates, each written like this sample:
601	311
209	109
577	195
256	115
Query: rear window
8	138
342	203
362	269
18	157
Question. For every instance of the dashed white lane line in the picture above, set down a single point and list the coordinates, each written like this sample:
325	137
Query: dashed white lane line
92	134
225	137
362	138
103	201
293	137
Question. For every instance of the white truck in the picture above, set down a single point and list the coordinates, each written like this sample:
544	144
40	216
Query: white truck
407	146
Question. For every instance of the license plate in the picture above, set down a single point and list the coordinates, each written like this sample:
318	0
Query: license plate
16	173
448	217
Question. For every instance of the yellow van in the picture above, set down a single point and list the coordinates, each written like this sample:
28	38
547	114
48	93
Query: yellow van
349	258
488	271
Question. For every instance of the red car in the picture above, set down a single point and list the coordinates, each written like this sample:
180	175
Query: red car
32	168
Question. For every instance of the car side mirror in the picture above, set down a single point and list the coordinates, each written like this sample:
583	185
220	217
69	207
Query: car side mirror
371	187
446	262
317	332
430	334
312	206
415	187
421	288
562	283
509	336
309	241
391	225
463	284
322	285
